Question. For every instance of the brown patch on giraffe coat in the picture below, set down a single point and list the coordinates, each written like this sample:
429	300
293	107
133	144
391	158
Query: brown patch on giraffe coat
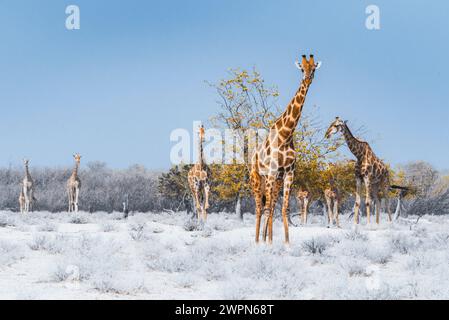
296	112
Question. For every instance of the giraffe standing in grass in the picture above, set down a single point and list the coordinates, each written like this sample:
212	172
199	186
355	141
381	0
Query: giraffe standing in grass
27	193
74	185
273	162
369	170
198	181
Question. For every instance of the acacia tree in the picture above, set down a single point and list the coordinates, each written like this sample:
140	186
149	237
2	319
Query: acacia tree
245	103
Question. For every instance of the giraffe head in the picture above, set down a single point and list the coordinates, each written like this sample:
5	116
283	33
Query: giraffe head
336	126
201	132
26	162
308	67
77	157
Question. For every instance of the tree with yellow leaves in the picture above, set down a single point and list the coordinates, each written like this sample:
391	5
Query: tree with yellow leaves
246	103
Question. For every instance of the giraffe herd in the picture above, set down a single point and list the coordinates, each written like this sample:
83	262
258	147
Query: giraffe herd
271	170
26	195
273	163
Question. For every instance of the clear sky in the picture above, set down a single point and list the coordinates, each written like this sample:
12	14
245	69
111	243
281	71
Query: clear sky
115	89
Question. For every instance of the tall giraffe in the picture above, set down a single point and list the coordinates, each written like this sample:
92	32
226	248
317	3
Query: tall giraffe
74	185
27	188
273	162
198	180
369	170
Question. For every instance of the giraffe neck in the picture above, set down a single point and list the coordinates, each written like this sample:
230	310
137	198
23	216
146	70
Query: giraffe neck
27	172
287	122
75	170
200	153
355	146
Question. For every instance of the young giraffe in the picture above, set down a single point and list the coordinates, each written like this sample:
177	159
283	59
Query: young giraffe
369	170
198	180
273	162
303	196
27	188
74	185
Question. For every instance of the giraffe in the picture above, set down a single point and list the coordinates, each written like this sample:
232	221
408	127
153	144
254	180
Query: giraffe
74	185
27	188
303	196
369	170
332	197
198	180
273	161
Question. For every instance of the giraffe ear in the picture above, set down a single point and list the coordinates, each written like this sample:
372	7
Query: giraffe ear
317	65
298	65
345	122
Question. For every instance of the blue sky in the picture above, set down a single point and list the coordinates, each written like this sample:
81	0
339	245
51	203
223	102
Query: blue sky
116	88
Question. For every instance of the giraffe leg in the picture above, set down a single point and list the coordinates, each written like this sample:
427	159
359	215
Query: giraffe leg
306	207
303	211
255	181
329	211
337	221
277	187
206	201
270	181
368	198
25	193
387	205
358	191
69	193
77	192
31	200
377	200
197	200
288	180
193	184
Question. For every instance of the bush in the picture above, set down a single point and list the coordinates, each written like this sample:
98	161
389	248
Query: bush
317	245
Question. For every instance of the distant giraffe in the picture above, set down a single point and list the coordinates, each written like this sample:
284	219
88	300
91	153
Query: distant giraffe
369	170
303	196
332	196
273	162
198	181
27	189
74	185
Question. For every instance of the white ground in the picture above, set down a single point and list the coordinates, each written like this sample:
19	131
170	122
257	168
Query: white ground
152	256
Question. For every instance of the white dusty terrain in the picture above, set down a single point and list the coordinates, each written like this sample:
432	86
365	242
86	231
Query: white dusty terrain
152	256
